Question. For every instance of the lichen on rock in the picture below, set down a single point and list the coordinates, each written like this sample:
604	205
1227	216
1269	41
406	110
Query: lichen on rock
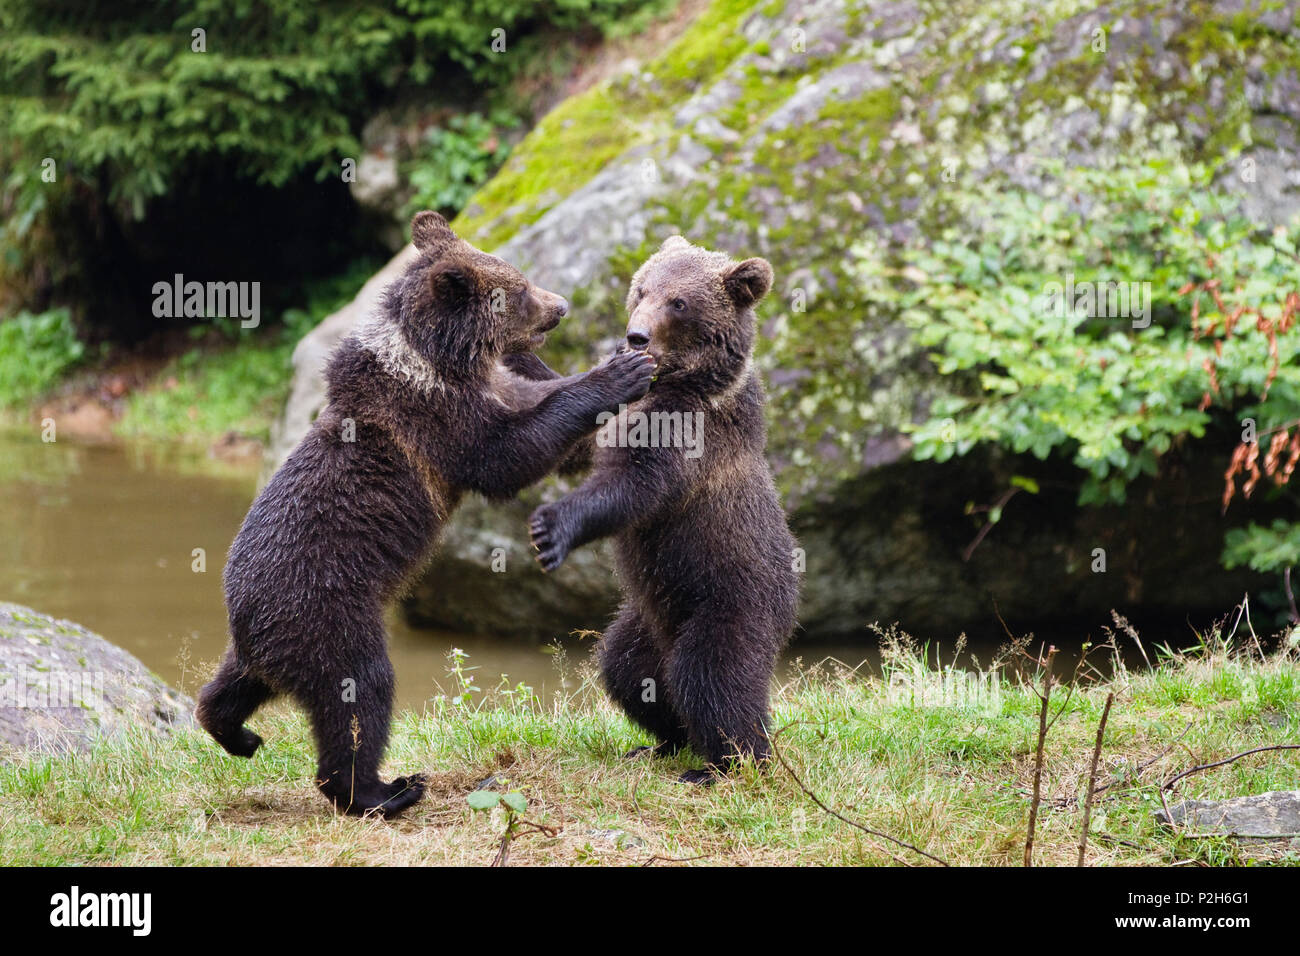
812	132
61	686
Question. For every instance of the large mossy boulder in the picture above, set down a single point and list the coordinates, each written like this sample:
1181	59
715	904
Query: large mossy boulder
804	130
61	686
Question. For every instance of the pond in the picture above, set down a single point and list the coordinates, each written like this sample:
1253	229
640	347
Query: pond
105	535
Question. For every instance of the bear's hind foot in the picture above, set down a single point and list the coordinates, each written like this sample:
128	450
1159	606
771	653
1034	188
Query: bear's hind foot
664	749
703	778
245	743
241	742
384	799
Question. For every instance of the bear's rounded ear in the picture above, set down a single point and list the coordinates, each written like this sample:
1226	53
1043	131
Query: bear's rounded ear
430	232
747	282
451	284
674	242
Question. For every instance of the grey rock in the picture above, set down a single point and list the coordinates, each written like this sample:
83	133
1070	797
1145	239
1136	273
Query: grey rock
377	183
1267	822
884	535
61	686
842	83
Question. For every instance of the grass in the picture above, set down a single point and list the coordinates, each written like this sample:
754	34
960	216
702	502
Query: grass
35	350
234	379
885	750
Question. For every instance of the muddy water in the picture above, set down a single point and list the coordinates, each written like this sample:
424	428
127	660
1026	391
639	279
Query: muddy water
105	535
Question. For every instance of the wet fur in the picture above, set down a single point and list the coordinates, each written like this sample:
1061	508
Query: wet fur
705	557
343	525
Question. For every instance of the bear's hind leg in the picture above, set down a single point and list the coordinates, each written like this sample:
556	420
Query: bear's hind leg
351	713
632	667
719	672
227	701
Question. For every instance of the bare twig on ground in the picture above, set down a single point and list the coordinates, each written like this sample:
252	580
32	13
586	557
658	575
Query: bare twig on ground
1219	763
674	859
776	752
1092	779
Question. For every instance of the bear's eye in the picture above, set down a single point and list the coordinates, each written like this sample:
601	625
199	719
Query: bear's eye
678	305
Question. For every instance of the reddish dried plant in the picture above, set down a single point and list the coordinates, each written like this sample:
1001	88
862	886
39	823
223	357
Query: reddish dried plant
1279	461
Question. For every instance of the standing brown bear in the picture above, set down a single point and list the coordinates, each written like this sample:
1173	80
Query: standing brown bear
421	409
705	557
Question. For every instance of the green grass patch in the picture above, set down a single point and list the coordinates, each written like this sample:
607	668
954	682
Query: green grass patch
36	350
941	759
233	379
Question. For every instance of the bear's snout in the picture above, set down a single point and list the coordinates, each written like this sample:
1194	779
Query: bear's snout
638	338
546	309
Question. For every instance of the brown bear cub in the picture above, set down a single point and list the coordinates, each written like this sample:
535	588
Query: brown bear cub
421	409
704	555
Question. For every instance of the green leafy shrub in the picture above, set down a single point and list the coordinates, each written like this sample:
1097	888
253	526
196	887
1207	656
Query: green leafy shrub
1030	373
465	28
140	116
1266	549
281	85
456	160
35	350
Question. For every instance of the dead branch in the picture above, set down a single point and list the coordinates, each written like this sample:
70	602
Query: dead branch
513	832
776	752
1219	763
1045	697
1092	779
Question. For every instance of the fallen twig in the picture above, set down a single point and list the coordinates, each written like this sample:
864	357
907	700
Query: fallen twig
776	752
674	859
1219	763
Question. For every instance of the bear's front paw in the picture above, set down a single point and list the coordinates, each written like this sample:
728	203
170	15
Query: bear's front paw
630	373
549	540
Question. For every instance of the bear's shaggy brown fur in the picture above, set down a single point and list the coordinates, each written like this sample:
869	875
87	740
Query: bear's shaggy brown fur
705	558
421	409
